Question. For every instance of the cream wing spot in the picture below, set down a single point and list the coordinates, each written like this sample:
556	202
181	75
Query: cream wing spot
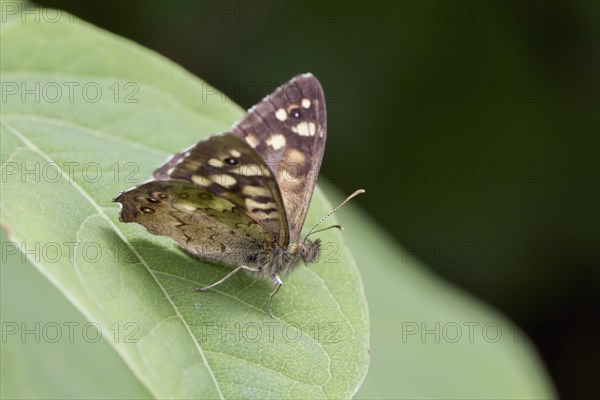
305	103
235	153
305	128
213	162
251	203
223	180
276	141
294	156
256	191
201	180
253	170
281	114
252	141
185	207
265	213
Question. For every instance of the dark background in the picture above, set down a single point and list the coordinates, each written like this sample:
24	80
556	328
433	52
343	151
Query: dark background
472	125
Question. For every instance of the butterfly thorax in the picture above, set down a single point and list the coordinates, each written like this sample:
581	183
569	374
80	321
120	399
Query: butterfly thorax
278	260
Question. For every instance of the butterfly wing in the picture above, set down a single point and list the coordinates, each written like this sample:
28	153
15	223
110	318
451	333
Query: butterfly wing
288	130
203	223
229	168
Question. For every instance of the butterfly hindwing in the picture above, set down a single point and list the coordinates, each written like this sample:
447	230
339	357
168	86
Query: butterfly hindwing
203	223
288	130
228	167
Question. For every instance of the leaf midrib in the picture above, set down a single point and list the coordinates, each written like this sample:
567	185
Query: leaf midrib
103	215
90	130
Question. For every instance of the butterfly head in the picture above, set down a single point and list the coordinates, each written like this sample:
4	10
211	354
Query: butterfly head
308	251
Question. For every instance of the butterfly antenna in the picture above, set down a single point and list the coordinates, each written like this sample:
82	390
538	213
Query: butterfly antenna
312	230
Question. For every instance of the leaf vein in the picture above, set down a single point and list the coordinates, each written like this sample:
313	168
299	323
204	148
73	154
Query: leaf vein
101	212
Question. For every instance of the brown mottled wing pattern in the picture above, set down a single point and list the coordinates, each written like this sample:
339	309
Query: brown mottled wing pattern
203	223
229	168
288	130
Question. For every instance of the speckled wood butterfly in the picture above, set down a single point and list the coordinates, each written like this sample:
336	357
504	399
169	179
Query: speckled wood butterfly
240	198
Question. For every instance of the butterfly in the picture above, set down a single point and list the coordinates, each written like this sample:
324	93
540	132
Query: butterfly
240	198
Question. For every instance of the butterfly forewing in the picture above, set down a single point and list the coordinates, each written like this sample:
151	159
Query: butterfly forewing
203	223
229	168
288	130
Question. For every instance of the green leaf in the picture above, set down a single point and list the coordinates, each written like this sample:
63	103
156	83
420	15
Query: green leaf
429	339
86	115
48	350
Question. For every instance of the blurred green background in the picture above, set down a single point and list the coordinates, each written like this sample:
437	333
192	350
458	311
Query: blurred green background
473	127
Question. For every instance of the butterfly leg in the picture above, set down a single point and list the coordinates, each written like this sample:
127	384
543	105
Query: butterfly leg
229	275
277	282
